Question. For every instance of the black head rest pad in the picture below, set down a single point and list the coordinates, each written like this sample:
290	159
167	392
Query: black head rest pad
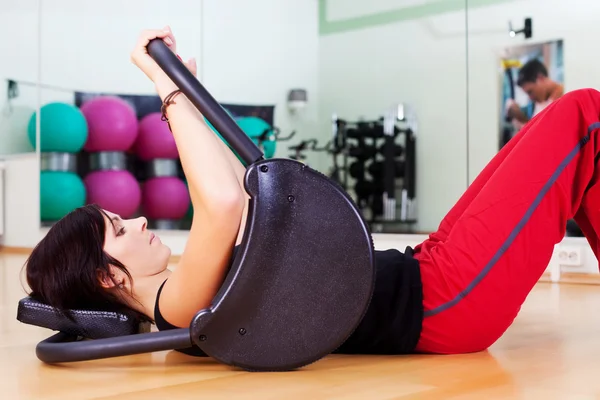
86	323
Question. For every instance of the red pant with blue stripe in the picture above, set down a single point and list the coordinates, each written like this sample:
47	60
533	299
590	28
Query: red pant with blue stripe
497	241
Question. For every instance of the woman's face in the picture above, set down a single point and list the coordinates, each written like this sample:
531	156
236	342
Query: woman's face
139	250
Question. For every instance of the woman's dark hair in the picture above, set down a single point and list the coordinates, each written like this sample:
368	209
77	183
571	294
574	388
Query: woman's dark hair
63	269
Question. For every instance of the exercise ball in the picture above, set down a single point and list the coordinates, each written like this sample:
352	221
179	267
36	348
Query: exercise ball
60	193
165	198
155	139
254	127
63	128
112	124
116	191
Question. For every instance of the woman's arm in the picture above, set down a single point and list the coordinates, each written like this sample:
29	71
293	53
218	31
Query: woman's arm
240	172
200	151
215	192
237	167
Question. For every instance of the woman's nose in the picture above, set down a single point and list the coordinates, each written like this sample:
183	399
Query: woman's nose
144	223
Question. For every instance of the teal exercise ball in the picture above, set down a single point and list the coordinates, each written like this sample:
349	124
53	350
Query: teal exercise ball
60	193
254	127
63	128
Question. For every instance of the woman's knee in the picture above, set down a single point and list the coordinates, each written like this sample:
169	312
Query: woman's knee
579	95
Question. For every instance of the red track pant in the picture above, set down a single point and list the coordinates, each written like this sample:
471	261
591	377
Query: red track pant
497	241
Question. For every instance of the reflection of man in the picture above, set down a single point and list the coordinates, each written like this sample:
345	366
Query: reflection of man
534	80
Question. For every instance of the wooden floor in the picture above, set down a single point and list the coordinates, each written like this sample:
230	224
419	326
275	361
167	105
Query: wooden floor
551	352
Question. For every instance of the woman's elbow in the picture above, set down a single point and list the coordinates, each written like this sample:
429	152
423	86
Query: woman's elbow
229	203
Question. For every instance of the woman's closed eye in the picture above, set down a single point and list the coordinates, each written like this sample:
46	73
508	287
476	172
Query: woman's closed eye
121	231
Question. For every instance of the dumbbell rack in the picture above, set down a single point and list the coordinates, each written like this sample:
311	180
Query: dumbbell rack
379	169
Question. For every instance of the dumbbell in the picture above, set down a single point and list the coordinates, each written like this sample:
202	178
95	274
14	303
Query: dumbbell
377	204
377	129
376	169
357	169
398	150
378	187
362	152
364	129
364	188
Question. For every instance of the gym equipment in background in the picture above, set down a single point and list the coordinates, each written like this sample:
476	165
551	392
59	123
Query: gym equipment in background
338	147
295	292
262	134
113	129
112	122
165	197
300	149
375	161
63	133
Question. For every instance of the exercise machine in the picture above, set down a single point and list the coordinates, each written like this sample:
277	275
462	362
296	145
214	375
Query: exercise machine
299	285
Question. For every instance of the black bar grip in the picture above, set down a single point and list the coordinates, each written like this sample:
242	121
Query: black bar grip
62	347
204	102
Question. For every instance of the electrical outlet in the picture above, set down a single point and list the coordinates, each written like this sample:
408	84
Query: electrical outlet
569	256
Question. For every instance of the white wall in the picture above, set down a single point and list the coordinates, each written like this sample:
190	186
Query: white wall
363	72
256	51
575	21
21	200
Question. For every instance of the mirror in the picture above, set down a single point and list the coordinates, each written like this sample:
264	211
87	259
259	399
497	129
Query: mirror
522	56
397	67
19	26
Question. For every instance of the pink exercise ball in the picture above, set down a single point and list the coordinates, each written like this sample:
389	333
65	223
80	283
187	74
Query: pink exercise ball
116	191
165	198
112	124
154	139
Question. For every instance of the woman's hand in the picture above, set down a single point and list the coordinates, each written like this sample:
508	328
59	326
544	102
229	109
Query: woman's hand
141	58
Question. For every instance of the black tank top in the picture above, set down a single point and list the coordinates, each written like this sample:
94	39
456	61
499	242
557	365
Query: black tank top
393	321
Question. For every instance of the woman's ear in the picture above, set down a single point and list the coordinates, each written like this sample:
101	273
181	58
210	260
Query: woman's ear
107	280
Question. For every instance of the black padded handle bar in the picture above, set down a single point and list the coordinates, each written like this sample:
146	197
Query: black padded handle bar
204	102
61	347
